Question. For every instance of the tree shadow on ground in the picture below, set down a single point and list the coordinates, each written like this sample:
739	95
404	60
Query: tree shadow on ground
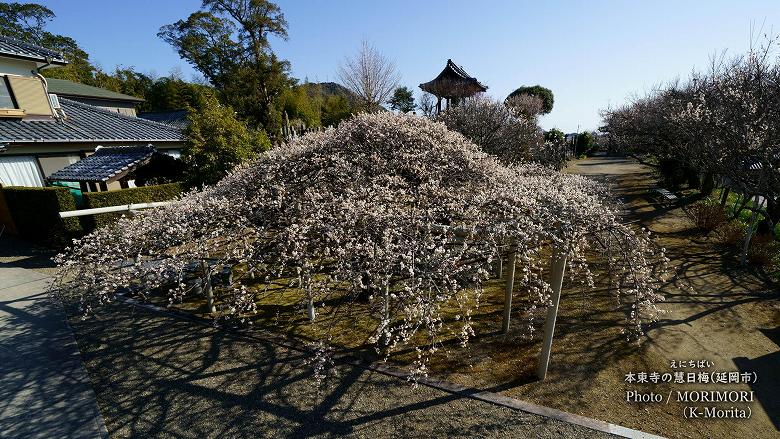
767	384
16	252
156	376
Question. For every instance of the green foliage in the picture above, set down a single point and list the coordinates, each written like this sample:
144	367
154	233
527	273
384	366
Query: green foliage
35	212
402	100
554	135
336	102
302	105
171	93
27	22
216	141
537	90
160	169
585	143
227	42
144	194
335	108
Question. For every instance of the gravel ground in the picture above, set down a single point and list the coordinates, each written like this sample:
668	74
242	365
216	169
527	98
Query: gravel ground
157	376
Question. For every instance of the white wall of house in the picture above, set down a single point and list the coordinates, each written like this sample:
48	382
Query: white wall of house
17	66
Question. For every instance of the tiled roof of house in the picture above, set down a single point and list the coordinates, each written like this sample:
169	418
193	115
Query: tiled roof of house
176	118
13	48
87	123
63	87
105	164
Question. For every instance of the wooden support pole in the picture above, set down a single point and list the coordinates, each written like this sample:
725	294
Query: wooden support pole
557	269
510	286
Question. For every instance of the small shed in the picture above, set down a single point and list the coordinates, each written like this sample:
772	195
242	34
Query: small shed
105	166
452	84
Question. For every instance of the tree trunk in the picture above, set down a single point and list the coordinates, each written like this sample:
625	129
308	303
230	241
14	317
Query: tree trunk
708	184
748	236
725	197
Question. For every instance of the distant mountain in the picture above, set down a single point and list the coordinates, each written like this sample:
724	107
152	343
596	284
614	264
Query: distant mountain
332	88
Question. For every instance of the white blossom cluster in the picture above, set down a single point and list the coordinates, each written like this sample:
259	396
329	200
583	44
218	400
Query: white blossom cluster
721	123
499	129
392	210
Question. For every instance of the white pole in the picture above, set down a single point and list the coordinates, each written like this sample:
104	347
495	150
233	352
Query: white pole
122	208
207	287
310	310
557	268
510	285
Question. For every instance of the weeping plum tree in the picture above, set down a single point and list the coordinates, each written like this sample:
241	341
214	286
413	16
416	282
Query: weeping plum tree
396	204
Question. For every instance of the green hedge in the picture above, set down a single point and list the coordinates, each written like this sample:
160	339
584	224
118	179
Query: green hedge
35	211
144	194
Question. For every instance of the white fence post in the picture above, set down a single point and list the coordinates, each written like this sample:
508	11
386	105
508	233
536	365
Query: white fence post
510	286
557	268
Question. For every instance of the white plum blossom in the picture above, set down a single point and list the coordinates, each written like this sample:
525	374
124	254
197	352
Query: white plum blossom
395	211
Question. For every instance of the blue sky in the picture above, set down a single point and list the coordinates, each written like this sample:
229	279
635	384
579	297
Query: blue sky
590	53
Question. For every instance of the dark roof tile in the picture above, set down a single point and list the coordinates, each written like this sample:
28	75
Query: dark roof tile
63	87
175	118
87	123
105	164
11	47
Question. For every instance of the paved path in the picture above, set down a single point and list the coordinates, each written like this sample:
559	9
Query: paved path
44	389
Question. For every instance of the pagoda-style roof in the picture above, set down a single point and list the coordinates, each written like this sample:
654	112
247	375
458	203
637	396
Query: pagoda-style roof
453	82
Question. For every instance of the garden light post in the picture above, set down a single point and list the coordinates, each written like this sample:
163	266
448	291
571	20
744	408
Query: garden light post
557	268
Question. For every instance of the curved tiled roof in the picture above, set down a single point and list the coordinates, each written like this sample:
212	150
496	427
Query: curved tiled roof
105	164
87	123
13	48
453	81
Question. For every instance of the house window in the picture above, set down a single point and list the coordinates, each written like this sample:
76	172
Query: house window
6	100
30	95
20	171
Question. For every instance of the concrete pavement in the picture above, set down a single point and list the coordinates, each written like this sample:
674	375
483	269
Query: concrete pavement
44	389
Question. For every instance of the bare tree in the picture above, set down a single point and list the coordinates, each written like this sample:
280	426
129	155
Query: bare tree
426	102
370	75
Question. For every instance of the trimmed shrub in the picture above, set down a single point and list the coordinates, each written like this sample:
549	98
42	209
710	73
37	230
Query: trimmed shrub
763	251
706	215
731	233
144	194
35	211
